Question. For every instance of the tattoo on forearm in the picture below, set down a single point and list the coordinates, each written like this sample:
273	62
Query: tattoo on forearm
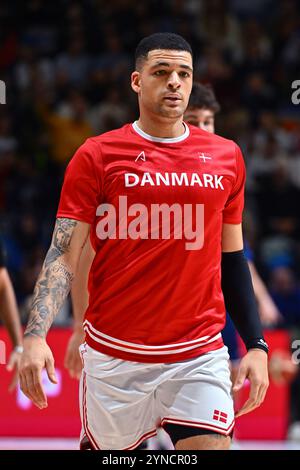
59	268
54	282
61	239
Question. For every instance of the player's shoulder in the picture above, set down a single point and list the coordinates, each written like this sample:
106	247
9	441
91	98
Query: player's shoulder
212	139
93	146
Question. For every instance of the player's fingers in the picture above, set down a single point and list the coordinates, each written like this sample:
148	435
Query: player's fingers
14	381
11	363
246	408
70	363
240	379
78	364
262	393
14	361
68	358
37	385
254	389
51	370
253	400
24	385
34	383
74	364
259	391
78	367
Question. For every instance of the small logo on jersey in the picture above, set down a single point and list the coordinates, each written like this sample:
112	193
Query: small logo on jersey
141	156
203	157
220	416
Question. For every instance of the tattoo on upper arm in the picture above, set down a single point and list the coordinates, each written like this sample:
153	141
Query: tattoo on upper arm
54	282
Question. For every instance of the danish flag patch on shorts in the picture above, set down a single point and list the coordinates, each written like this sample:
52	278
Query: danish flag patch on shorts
220	416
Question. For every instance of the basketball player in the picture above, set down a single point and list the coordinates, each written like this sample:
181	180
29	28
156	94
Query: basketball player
10	317
200	112
154	353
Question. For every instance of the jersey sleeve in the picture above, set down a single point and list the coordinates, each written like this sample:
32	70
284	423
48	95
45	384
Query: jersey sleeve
82	187
233	211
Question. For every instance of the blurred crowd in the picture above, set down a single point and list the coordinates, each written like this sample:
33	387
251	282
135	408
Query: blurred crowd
67	64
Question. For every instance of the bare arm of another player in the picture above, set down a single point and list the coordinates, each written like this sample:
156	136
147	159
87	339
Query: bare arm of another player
254	365
11	320
269	313
51	289
80	300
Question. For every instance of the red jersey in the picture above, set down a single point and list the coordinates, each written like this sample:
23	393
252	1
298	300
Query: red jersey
156	208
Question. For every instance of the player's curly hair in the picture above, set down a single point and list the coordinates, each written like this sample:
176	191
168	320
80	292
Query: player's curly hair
202	96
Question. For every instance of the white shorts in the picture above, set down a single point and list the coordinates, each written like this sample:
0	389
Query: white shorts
122	403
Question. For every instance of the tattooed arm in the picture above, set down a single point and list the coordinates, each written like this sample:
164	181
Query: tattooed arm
52	288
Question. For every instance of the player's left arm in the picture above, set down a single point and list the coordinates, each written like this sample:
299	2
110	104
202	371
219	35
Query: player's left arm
10	316
241	304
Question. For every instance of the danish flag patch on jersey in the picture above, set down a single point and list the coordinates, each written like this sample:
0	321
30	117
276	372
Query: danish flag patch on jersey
220	416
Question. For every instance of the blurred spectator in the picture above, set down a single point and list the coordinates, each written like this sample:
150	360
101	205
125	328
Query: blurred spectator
8	142
264	161
110	109
277	202
72	66
285	291
68	126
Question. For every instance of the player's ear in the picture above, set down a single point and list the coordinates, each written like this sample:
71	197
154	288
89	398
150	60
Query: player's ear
135	81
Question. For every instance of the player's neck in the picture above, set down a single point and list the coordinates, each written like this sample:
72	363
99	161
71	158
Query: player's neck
161	128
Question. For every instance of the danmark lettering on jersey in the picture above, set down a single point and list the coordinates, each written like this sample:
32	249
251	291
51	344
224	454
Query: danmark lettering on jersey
205	180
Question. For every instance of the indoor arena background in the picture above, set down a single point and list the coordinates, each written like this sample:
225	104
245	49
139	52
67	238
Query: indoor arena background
66	67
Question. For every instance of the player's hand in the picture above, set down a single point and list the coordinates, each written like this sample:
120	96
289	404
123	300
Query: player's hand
253	366
35	357
14	364
72	358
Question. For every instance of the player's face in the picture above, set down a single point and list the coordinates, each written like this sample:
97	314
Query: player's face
201	117
164	83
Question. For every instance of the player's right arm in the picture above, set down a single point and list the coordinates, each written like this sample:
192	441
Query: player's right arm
80	300
51	289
